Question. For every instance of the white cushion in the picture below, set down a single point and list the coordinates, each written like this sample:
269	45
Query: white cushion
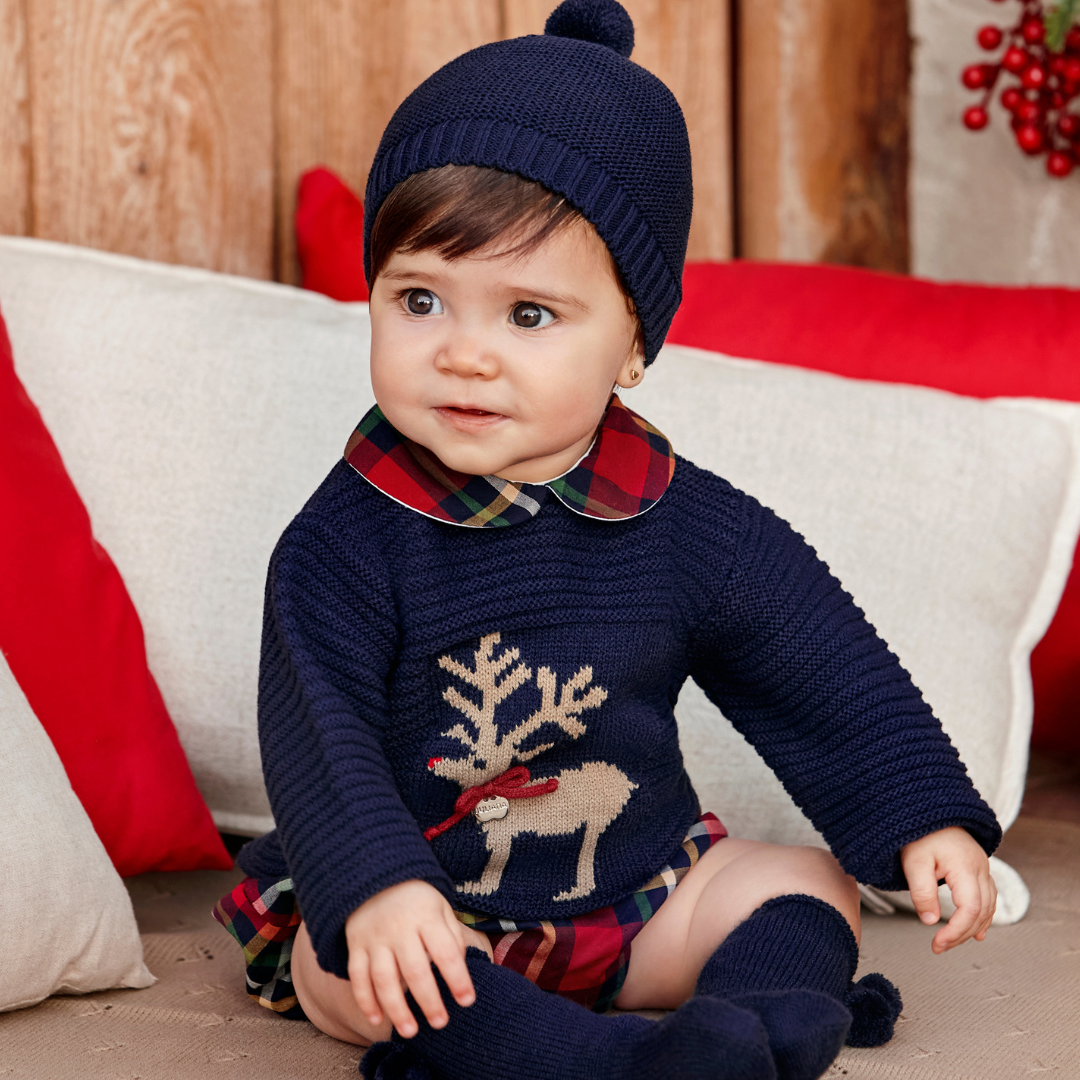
67	918
197	412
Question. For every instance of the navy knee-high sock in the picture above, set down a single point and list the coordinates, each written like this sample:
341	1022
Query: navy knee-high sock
801	942
515	1031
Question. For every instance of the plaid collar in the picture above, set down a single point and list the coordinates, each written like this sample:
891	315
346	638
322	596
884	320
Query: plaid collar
627	469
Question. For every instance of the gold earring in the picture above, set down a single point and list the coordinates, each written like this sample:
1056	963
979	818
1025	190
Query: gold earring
635	373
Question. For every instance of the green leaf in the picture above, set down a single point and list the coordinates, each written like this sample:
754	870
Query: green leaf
1058	20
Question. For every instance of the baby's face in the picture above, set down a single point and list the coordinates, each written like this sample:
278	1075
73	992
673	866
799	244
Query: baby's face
502	366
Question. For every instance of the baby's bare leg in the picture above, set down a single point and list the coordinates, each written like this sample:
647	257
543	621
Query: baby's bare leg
328	1000
731	880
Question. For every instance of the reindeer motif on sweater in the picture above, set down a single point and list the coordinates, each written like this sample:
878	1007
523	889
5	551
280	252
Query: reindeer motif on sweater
592	795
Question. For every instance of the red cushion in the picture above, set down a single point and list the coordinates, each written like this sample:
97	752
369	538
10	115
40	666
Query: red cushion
330	236
979	340
75	644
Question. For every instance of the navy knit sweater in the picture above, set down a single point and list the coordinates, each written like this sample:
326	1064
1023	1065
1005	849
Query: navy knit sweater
405	659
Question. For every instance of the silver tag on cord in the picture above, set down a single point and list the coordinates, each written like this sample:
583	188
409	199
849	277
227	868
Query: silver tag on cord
492	808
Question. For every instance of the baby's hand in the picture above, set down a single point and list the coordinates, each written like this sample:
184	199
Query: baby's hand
954	855
393	940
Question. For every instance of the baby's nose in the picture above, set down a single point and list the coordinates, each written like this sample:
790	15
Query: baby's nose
469	356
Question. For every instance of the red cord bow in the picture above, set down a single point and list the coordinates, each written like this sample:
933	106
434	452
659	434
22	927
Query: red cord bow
509	784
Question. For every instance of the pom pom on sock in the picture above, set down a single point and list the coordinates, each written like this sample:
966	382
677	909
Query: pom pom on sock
874	1004
393	1060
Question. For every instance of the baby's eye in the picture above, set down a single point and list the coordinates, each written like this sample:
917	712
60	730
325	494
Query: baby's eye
423	302
531	316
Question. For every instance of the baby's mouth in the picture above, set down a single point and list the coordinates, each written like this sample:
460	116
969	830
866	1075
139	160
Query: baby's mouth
465	418
466	410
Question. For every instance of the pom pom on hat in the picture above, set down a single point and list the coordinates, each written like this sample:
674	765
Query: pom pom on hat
603	22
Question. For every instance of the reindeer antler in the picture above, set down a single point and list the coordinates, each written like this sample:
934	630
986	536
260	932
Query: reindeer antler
497	677
565	713
484	675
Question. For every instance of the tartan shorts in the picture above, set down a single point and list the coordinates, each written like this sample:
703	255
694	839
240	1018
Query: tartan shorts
581	957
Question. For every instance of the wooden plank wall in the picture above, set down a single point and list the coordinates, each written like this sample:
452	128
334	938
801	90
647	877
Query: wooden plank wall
343	67
823	131
176	129
14	121
151	128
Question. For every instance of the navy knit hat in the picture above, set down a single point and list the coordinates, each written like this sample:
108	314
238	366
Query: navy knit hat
568	109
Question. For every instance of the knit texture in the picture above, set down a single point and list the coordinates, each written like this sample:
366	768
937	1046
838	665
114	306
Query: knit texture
404	660
800	942
569	110
515	1031
805	1029
790	942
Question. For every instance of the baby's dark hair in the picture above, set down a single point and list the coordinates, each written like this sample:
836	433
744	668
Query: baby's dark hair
456	210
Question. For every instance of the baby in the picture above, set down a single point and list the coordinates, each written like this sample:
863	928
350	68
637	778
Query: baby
477	628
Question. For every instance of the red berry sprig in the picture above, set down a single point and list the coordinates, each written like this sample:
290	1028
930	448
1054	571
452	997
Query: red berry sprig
1047	73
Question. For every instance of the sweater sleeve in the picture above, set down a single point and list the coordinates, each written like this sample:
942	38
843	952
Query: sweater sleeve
799	671
328	648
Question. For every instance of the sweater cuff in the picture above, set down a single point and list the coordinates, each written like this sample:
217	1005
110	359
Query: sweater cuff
262	857
884	870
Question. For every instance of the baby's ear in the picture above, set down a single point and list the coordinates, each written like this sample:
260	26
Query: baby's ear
637	350
633	370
